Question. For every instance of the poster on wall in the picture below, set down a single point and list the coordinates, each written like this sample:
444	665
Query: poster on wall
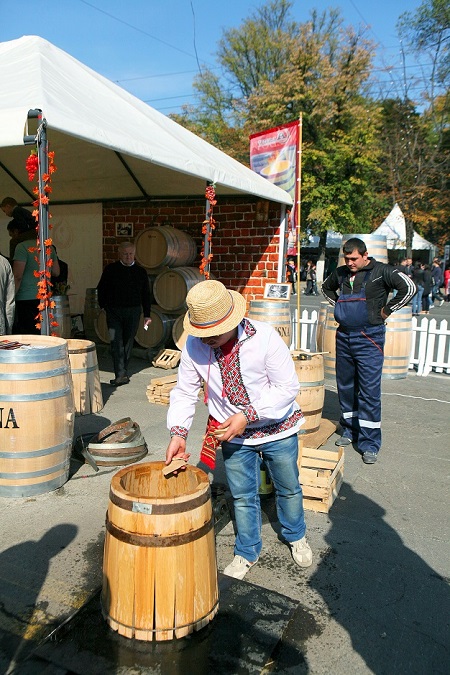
273	155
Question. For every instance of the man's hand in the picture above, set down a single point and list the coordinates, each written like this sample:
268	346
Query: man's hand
176	449
383	315
233	426
147	322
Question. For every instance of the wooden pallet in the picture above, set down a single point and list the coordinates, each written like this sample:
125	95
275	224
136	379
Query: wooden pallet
167	359
321	470
158	391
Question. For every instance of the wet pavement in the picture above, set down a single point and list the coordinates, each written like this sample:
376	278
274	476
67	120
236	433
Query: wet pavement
376	599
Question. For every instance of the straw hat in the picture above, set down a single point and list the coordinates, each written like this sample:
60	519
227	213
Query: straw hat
213	309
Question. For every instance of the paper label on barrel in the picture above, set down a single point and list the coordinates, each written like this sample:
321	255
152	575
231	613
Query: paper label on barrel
142	508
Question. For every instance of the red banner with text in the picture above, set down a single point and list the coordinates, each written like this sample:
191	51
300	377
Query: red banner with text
273	154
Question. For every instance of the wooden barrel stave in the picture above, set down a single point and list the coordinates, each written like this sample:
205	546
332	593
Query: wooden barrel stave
159	332
61	313
91	311
172	286
376	245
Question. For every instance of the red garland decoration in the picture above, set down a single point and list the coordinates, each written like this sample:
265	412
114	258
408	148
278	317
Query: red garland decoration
44	285
210	195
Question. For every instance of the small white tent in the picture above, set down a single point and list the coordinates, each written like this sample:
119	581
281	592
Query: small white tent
108	144
394	229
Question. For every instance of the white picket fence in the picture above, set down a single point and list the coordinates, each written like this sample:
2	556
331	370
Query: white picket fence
430	350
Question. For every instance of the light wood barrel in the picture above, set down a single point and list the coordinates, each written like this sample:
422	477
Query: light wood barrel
159	332
310	373
275	312
101	327
376	246
91	312
397	348
87	390
321	325
329	342
159	564
165	245
37	416
179	335
61	314
171	287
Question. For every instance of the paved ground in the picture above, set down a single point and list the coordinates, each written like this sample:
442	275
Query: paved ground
376	599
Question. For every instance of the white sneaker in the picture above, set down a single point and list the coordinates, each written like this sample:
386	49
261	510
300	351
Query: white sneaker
301	552
239	567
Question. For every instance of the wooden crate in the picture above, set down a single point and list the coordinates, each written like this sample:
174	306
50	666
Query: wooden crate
158	391
167	359
321	471
321	476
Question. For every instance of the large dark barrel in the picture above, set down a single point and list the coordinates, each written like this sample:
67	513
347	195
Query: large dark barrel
164	246
159	564
37	416
61	313
159	332
171	287
91	312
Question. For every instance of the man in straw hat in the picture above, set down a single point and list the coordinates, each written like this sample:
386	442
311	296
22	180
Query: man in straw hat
250	389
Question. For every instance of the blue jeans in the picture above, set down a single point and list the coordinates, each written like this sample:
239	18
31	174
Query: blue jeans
242	467
417	301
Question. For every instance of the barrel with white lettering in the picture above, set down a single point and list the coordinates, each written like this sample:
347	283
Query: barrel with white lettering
36	415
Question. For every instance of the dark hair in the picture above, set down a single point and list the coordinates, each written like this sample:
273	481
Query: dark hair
352	244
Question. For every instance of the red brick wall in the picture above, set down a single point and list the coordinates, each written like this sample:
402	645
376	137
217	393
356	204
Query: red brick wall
245	243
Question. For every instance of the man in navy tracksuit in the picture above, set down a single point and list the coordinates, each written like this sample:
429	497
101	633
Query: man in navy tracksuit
359	292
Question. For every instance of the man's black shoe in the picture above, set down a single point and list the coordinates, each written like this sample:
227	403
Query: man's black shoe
370	457
343	440
119	381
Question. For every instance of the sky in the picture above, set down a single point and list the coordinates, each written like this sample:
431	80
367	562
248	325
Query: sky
153	48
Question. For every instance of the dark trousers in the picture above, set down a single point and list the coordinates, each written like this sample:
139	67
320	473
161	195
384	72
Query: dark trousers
123	323
359	362
26	317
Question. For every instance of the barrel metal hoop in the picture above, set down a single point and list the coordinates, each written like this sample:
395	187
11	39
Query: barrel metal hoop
34	489
76	371
317	383
34	356
35	474
43	396
83	350
157	541
159	509
40	375
36	453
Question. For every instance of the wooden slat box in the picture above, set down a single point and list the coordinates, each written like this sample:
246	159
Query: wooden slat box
321	475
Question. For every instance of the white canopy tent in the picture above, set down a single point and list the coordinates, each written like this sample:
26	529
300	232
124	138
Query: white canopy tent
394	229
108	144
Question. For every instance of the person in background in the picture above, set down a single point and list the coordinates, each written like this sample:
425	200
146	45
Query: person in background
311	280
359	292
427	283
407	266
447	282
24	267
7	301
418	279
124	292
250	389
291	273
437	281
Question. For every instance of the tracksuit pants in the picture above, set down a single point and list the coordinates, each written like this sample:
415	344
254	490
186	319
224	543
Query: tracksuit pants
359	362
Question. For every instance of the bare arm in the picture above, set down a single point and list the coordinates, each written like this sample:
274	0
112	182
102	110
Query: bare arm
18	269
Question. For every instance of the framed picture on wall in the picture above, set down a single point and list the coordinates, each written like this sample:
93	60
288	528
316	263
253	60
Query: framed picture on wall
124	229
277	291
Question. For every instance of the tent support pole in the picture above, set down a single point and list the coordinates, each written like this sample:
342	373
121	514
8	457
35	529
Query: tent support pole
40	139
299	204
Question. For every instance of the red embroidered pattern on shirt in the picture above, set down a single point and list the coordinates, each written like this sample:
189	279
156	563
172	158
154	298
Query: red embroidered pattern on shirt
179	431
230	370
274	428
